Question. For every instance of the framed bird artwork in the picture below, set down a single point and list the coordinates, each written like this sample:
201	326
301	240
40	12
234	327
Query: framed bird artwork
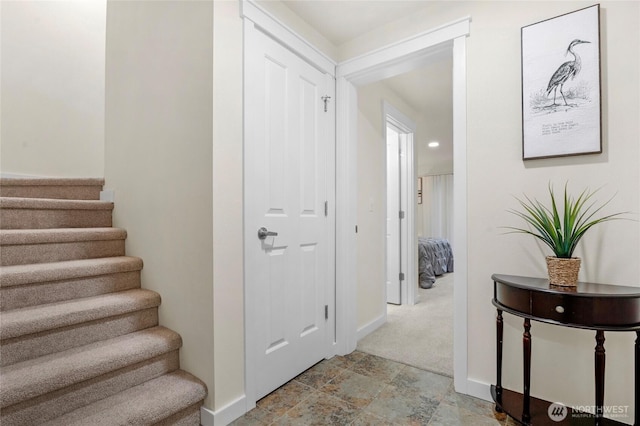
561	113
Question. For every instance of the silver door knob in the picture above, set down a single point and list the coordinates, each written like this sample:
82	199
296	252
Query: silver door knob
264	233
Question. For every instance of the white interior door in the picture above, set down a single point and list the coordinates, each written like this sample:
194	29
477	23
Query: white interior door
287	145
393	216
401	197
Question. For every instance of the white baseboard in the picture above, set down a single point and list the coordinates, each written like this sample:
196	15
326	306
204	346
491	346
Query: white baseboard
479	390
372	326
17	176
237	407
108	195
206	417
224	415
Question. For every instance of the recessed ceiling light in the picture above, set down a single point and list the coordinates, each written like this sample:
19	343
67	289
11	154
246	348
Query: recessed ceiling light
433	144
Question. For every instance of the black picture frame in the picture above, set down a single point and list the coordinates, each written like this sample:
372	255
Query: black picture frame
561	88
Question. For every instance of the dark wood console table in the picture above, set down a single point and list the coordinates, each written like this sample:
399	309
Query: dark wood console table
598	307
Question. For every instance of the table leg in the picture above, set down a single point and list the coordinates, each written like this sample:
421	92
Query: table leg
637	374
600	359
526	346
499	333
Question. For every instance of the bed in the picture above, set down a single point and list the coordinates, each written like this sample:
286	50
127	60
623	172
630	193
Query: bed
435	258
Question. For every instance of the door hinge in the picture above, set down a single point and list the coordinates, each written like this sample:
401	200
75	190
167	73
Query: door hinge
326	312
401	276
326	208
401	215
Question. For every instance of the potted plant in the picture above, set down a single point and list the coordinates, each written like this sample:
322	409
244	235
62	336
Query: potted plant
562	229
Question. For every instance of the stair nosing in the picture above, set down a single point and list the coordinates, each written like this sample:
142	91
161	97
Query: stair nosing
59	235
43	181
29	379
40	318
26	203
36	273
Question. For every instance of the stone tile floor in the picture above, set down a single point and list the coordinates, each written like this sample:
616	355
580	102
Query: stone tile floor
362	389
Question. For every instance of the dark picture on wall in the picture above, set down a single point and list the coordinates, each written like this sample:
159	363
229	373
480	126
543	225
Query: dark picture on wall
561	85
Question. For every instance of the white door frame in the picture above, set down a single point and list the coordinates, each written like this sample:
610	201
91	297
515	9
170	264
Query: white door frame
388	61
408	201
256	19
382	63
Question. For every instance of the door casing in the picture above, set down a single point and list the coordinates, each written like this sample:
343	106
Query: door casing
392	239
391	60
408	248
394	59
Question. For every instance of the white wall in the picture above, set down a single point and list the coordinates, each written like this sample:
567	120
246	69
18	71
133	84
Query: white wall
158	160
161	161
278	10
227	206
52	85
371	293
562	358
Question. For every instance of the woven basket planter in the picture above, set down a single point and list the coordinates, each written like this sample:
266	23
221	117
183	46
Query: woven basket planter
563	272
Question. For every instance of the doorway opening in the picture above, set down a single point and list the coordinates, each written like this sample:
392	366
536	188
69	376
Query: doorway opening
418	327
395	59
399	132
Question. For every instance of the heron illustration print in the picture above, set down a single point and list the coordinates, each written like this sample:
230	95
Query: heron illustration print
561	85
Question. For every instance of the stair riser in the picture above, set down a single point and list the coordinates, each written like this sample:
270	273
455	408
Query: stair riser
38	410
48	219
39	344
22	254
84	192
21	296
187	417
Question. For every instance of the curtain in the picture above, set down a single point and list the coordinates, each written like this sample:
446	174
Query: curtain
437	206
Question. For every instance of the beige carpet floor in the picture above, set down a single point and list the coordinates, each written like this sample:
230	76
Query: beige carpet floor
420	335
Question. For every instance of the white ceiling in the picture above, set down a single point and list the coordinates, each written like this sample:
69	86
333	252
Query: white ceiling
427	90
340	21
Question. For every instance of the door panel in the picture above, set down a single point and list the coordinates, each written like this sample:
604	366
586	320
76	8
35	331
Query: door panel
286	154
393	218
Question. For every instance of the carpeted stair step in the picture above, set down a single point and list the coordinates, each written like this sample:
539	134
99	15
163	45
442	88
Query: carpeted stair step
32	346
188	417
61	188
44	388
51	405
25	246
41	330
174	399
79	339
43	213
41	283
32	378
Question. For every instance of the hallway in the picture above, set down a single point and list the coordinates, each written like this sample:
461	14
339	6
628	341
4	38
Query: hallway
363	389
419	335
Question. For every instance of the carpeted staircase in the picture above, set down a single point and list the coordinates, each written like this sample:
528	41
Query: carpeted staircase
80	342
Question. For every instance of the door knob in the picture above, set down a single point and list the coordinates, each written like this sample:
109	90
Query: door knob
264	233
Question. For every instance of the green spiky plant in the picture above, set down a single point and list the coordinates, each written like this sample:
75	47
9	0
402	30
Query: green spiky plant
561	230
